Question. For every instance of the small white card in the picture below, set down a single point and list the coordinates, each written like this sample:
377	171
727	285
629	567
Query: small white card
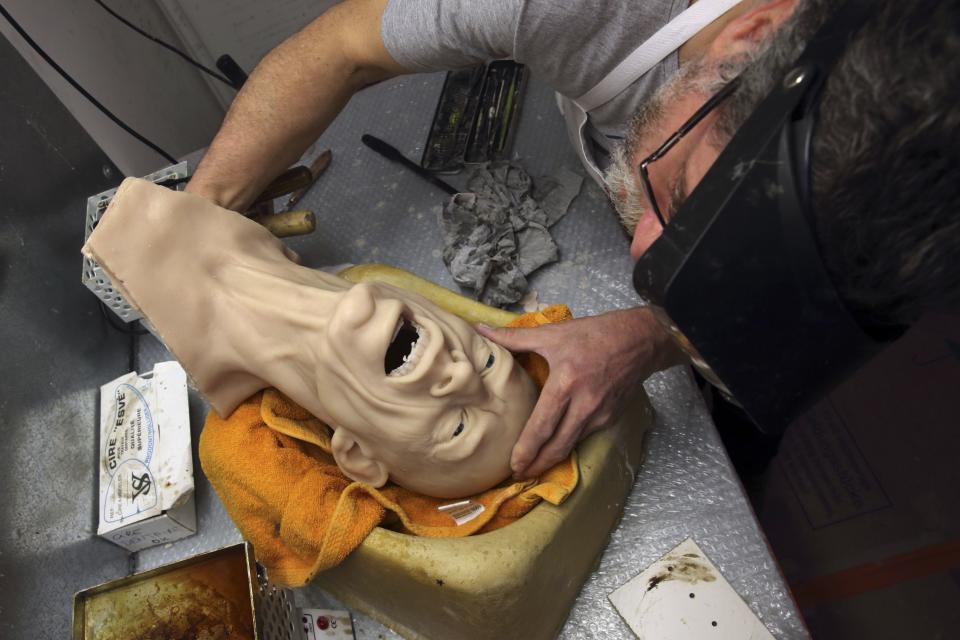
683	596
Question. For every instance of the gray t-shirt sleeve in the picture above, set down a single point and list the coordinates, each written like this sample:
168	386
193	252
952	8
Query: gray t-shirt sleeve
569	44
434	35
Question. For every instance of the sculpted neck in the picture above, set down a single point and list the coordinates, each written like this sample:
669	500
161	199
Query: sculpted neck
268	314
219	290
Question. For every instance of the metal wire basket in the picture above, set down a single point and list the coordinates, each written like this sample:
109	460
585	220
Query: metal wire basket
93	276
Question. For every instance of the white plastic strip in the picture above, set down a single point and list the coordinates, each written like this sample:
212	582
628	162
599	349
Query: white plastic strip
656	48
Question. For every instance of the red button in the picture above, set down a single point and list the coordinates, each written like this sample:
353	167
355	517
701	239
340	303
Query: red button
323	622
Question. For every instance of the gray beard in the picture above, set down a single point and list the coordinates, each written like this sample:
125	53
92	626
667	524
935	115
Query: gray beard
621	178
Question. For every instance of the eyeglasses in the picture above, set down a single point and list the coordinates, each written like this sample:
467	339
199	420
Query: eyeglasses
684	129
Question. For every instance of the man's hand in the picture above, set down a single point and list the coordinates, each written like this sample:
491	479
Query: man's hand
595	364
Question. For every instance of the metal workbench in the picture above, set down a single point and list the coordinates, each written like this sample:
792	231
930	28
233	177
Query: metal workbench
369	210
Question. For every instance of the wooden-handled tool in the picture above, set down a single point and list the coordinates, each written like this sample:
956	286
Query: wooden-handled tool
290	180
393	154
294	181
317	167
288	223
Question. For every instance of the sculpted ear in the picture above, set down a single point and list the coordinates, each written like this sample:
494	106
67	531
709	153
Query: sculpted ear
354	461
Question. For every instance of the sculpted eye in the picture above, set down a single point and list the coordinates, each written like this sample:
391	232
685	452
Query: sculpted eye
490	362
458	430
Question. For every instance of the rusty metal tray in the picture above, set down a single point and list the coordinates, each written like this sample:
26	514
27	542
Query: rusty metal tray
218	595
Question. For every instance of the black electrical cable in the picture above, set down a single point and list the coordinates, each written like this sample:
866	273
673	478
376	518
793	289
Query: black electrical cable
167	46
76	85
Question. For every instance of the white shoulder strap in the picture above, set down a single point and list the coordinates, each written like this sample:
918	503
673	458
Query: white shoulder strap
653	50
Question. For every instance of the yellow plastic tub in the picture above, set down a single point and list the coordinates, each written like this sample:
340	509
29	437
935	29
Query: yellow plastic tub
517	582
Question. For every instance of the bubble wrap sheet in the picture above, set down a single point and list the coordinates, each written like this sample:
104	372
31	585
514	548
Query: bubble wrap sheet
369	210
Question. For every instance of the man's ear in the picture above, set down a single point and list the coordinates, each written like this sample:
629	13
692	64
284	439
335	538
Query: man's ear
744	33
354	461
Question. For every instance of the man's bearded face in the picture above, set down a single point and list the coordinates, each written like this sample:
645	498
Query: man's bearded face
670	176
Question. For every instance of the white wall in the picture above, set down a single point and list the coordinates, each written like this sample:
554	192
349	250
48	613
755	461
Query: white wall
154	91
245	29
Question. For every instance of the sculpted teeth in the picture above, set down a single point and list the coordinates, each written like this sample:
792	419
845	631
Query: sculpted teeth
410	360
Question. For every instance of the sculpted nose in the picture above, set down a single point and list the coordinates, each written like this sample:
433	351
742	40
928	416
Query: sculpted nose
458	376
358	305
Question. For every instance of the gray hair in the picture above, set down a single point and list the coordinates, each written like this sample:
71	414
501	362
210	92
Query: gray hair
886	154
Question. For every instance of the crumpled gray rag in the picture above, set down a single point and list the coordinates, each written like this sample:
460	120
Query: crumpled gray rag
496	233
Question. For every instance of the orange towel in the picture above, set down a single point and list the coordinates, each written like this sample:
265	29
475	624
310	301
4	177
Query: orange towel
269	463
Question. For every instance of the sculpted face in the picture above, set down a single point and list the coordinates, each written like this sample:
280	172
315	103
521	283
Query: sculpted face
412	392
415	394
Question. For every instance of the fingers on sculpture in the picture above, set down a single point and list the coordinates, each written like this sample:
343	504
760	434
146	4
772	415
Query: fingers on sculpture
587	387
413	393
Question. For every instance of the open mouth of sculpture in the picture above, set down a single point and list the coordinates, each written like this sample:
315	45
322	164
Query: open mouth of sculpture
405	349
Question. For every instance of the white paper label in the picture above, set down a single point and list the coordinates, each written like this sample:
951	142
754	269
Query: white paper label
463	511
129	448
146	465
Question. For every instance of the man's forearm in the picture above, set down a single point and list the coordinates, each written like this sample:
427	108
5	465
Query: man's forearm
290	99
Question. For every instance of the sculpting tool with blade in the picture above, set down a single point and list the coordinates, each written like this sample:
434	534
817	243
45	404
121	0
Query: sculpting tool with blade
393	154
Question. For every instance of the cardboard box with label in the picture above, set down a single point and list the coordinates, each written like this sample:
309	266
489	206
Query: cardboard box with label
146	465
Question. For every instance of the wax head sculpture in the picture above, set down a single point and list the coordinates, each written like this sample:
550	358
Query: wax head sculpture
417	395
412	392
